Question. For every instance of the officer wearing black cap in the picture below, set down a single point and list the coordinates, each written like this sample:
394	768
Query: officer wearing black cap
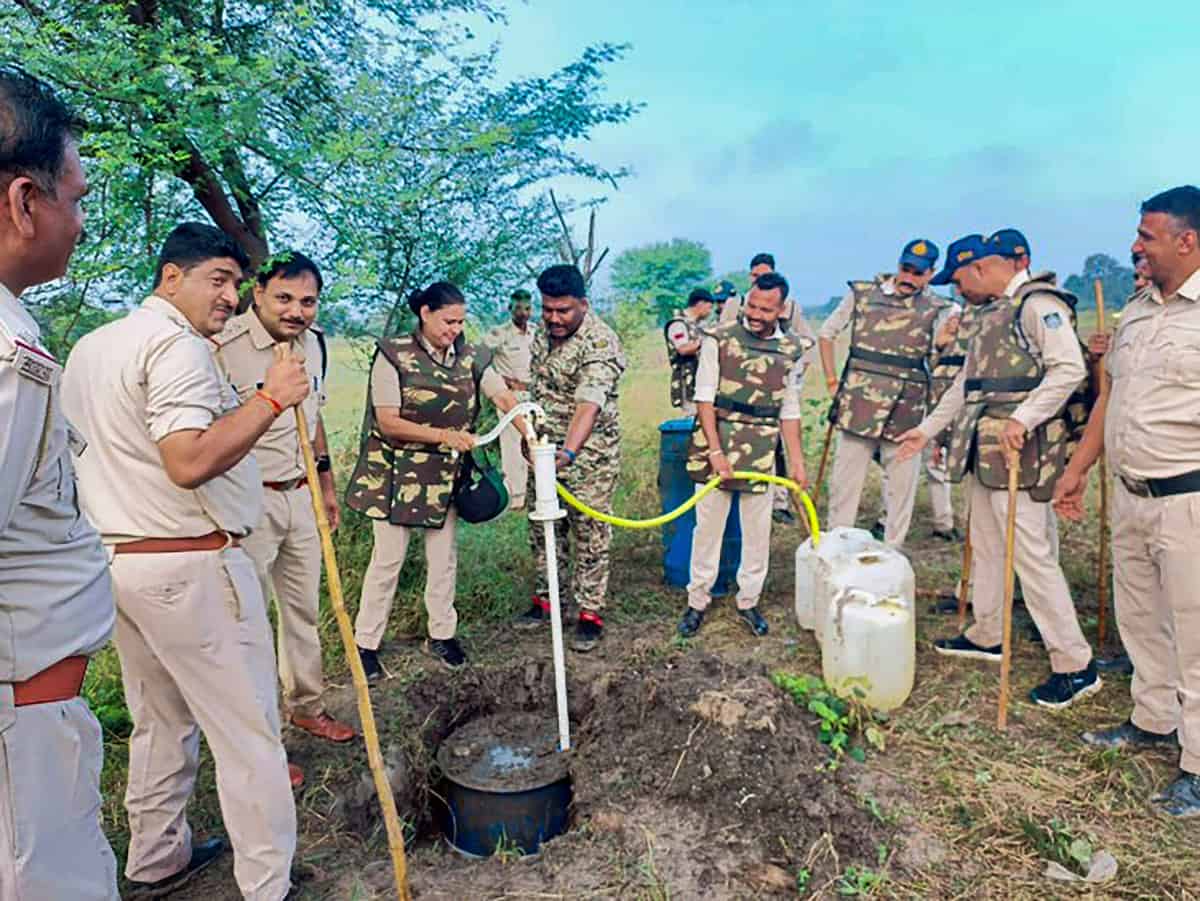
884	388
721	292
683	336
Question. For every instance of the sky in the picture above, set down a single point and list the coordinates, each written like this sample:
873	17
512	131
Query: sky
831	133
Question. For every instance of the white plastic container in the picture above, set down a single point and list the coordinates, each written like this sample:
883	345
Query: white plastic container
857	594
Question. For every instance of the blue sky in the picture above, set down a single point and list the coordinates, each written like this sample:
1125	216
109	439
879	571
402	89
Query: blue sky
830	133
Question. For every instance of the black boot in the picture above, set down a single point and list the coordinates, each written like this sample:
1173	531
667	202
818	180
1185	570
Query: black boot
1127	735
1181	798
691	622
203	854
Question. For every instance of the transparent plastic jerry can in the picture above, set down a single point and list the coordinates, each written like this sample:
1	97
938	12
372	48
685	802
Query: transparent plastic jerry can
815	565
869	647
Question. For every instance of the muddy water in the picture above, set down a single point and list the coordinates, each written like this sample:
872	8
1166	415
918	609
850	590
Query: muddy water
504	753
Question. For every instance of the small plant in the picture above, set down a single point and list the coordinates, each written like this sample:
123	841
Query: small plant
858	881
507	850
803	878
838	719
1055	841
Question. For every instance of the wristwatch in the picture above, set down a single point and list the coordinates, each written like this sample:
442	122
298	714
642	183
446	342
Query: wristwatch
323	463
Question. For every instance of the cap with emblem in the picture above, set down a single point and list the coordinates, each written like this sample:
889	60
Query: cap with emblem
1008	242
723	290
920	254
961	252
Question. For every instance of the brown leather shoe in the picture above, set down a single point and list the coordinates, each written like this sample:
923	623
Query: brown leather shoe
296	775
324	726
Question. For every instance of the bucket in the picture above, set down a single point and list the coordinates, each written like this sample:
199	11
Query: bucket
675	487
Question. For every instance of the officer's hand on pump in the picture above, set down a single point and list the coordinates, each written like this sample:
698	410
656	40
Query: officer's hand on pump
911	443
457	440
286	381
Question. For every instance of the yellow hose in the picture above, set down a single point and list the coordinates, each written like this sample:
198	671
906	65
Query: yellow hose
710	485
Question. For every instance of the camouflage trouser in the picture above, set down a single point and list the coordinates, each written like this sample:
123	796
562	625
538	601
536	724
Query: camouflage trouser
582	542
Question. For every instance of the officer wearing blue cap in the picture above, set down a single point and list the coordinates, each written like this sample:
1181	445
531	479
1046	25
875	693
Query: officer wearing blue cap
1024	368
884	388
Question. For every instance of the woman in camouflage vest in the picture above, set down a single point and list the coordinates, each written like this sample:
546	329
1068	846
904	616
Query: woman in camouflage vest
423	399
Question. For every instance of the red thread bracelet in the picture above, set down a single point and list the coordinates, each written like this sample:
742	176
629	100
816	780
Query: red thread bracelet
275	405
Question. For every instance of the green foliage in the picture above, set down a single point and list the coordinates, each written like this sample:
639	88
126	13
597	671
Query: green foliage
661	275
839	720
740	279
858	881
104	693
1054	841
631	318
1116	279
373	134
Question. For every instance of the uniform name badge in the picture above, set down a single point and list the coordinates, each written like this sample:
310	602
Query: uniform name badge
36	364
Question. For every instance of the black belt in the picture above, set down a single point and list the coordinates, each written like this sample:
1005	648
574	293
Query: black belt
1002	386
870	356
1187	483
952	360
758	411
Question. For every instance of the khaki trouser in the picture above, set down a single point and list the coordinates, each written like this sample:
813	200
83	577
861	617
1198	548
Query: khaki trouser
516	470
1156	571
286	550
939	491
195	650
51	844
1047	596
850	466
383	573
711	514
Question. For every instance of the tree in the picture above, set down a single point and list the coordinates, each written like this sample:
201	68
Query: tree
373	132
1116	279
662	274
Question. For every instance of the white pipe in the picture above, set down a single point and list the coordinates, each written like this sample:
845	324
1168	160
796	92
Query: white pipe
526	409
547	511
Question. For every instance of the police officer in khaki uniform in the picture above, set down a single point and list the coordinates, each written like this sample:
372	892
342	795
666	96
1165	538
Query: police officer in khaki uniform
1024	366
683	334
169	480
511	345
748	390
56	605
424	397
884	387
285	545
1149	425
791	321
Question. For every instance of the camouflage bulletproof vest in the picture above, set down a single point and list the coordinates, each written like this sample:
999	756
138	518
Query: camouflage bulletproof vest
885	385
1002	370
412	483
946	368
683	368
753	378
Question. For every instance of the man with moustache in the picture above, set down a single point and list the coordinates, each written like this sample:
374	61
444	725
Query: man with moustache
285	545
56	604
511	345
884	388
1148	423
748	387
1023	366
169	481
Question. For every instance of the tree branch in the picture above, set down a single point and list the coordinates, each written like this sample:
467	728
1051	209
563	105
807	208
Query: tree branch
209	192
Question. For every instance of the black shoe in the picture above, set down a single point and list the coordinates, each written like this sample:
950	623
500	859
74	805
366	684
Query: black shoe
1064	689
692	620
447	650
783	515
1181	798
1120	664
536	616
588	631
961	646
946	604
752	618
950	535
202	855
1127	735
878	531
370	664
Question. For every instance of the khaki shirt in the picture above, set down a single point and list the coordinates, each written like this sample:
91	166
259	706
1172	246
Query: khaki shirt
1152	427
511	350
127	386
55	595
245	351
708	376
1057	348
385	380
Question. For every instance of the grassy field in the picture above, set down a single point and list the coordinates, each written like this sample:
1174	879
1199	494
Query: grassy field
986	811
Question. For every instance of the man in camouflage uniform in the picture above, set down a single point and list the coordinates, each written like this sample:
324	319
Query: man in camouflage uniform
1023	372
748	397
683	333
577	363
884	387
792	320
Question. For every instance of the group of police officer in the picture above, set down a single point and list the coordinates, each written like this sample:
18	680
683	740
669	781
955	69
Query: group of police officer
1004	382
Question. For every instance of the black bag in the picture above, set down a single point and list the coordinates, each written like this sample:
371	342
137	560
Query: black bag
480	494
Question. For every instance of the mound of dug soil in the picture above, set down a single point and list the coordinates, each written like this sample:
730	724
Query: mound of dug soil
700	765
